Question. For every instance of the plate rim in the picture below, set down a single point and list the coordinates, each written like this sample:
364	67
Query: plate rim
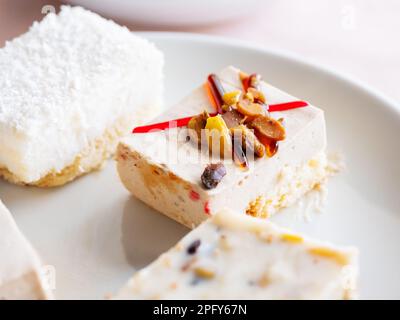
390	103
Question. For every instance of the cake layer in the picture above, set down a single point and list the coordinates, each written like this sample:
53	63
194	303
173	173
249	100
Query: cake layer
65	83
232	256
163	169
20	267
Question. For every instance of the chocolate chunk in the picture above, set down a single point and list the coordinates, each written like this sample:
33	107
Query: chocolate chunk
194	246
213	175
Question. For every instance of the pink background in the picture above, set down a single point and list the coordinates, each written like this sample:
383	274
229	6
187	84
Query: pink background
360	38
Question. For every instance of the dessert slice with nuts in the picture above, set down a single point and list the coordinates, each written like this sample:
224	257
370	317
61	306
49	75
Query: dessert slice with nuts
232	256
241	122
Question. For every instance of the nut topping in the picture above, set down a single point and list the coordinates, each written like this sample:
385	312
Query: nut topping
195	125
249	142
218	136
268	128
250	109
231	98
213	175
256	95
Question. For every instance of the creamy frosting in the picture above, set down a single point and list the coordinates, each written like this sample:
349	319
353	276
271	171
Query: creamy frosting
64	82
171	152
232	256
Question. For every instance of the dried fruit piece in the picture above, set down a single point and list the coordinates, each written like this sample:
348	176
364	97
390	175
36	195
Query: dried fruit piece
195	125
250	109
339	257
213	175
249	142
268	128
217	91
232	118
238	154
192	249
231	98
293	238
218	136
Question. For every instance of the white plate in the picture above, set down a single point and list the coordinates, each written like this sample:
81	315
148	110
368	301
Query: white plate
95	234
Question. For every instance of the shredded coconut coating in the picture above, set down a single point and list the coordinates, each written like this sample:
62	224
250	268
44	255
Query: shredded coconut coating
67	81
43	70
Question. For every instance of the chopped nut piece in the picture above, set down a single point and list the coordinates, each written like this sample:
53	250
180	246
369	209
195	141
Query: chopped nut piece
226	108
268	128
218	136
204	273
192	249
232	118
195	125
231	98
213	175
249	96
257	95
250	109
250	143
269	132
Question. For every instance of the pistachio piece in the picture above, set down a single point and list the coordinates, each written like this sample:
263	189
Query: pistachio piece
250	109
218	136
195	125
213	175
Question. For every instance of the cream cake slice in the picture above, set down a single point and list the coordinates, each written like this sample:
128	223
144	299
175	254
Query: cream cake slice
20	267
164	169
69	89
232	256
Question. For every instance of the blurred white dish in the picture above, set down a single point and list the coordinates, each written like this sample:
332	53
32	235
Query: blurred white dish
95	234
176	13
